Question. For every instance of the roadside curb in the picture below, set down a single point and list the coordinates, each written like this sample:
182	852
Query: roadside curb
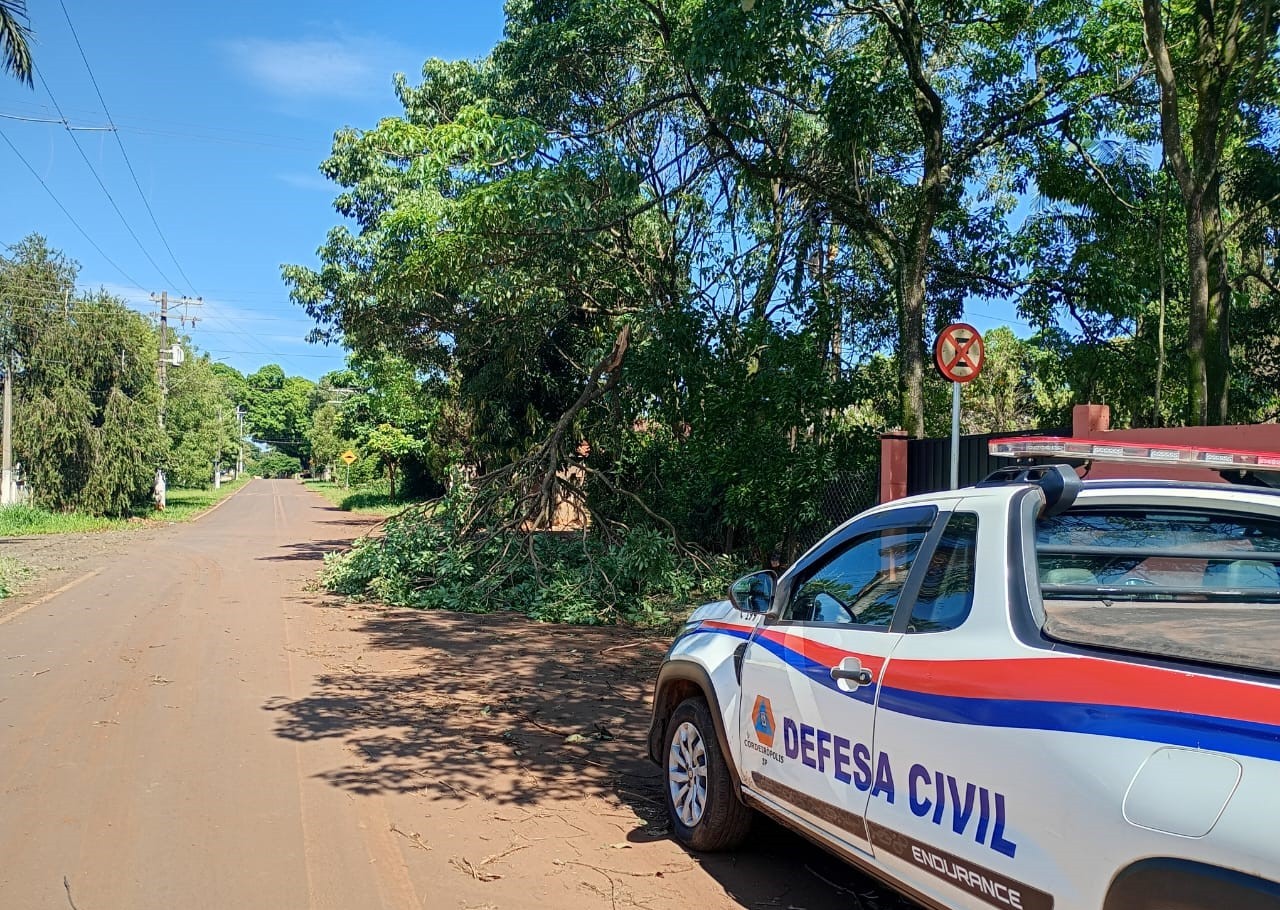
45	598
220	503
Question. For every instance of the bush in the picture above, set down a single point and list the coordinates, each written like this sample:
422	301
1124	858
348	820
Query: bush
425	561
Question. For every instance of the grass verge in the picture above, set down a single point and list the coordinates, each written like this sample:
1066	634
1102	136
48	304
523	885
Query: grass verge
183	505
12	573
22	520
366	499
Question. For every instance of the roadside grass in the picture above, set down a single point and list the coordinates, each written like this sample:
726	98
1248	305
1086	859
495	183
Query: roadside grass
183	505
363	499
12	573
22	520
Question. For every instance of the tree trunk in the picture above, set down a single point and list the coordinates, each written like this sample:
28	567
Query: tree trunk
911	350
914	265
1157	419
1199	175
1217	338
1197	317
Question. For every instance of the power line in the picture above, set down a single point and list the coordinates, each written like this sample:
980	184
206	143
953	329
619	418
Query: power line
70	218
103	186
83	129
123	153
281	354
200	131
36	292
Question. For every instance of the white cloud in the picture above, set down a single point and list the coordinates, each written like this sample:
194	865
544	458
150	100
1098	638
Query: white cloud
308	182
297	68
243	333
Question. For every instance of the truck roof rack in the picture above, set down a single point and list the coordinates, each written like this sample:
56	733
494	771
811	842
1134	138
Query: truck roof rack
1059	483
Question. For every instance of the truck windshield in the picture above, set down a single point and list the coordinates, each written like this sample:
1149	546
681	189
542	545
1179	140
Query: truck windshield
1195	584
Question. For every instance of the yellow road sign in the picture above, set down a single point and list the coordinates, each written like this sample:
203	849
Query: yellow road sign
349	456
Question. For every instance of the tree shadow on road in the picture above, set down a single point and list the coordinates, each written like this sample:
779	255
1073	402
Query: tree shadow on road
314	550
488	705
457	706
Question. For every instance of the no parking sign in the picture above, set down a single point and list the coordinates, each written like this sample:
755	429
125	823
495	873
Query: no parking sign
959	352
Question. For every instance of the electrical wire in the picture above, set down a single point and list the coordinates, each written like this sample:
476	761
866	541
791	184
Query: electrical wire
263	350
210	309
96	176
279	354
70	218
123	153
82	129
181	129
41	298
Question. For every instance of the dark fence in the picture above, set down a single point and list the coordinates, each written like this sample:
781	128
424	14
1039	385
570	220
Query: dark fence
846	495
929	460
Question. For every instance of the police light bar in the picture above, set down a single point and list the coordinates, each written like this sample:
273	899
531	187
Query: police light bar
1134	453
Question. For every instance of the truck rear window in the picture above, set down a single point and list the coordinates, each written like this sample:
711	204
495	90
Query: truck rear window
1194	584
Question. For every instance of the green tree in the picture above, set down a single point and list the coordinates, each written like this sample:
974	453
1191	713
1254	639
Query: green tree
667	228
1217	81
36	285
278	410
379	387
87	431
325	439
391	445
15	38
200	420
880	140
1012	393
273	464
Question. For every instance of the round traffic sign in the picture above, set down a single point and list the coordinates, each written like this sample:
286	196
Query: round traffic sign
959	352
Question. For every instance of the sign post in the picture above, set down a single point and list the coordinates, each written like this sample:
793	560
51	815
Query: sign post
348	457
959	354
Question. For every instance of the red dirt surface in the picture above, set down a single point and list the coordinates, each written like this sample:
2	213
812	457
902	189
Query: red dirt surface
192	725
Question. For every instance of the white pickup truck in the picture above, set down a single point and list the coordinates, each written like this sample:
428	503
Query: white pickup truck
1034	693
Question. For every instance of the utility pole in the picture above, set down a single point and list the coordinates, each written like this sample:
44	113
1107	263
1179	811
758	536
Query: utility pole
6	474
217	461
163	374
168	354
239	442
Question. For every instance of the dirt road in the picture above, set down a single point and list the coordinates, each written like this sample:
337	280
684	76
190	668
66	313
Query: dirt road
188	726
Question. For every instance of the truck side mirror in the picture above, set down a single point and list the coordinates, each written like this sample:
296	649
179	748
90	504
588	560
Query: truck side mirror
753	593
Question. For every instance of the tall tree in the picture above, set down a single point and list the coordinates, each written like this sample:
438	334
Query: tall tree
279	409
894	120
88	432
200	419
1220	61
326	439
36	284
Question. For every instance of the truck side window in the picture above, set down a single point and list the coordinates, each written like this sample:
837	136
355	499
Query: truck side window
946	595
860	583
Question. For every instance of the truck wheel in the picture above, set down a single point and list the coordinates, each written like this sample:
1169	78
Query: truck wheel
706	813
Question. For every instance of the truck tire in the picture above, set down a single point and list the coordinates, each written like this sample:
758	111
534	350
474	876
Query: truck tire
706	813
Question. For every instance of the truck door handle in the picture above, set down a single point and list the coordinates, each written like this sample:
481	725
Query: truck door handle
859	676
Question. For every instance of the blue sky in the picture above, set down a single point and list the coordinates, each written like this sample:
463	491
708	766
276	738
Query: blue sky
225	112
